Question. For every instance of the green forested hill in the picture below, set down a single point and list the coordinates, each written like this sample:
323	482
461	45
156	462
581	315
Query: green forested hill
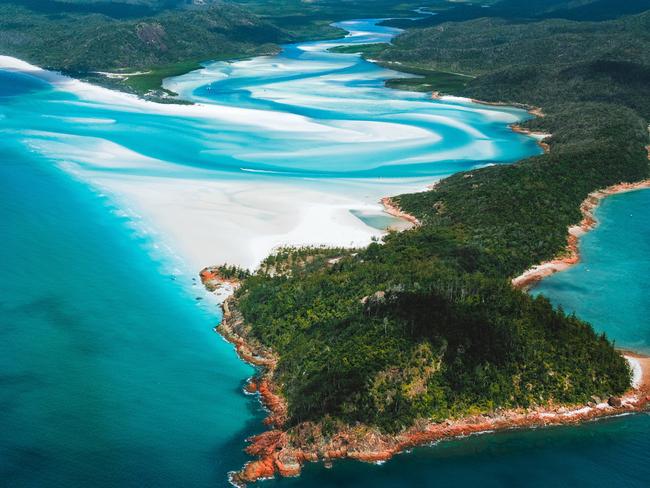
486	45
89	42
160	38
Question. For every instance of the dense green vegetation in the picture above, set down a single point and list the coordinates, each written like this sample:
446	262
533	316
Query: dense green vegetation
426	323
402	331
532	10
232	272
489	45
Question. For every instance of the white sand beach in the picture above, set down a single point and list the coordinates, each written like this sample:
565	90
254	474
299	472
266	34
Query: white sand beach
205	212
210	221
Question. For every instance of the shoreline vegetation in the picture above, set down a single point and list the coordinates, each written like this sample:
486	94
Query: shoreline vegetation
369	370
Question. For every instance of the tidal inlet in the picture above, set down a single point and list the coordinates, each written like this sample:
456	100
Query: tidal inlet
349	217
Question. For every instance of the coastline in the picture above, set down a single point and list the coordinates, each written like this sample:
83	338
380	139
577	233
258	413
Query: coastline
534	111
283	451
213	219
571	256
391	208
539	136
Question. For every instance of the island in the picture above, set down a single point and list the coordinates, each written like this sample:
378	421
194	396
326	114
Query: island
429	334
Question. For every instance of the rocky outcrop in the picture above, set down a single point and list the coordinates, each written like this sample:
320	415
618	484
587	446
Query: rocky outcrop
213	280
284	452
540	136
615	402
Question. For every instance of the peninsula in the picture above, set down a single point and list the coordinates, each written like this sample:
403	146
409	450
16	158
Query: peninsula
364	353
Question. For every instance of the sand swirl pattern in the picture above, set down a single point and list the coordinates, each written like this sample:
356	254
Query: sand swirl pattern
296	148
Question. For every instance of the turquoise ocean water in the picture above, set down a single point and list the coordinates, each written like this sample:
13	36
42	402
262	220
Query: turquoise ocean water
110	373
610	287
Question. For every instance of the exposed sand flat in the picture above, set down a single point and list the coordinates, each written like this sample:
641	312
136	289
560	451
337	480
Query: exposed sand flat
640	366
204	218
240	222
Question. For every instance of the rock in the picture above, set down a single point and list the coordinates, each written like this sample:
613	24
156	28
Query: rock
377	297
615	402
596	399
288	469
251	387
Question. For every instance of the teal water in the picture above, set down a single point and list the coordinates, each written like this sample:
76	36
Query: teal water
611	452
610	286
110	373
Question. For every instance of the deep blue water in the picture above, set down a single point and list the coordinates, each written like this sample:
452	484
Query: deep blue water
110	373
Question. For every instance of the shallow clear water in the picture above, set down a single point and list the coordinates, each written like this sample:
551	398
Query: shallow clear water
610	286
110	373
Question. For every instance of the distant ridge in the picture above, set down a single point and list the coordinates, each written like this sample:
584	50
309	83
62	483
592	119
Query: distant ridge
596	10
